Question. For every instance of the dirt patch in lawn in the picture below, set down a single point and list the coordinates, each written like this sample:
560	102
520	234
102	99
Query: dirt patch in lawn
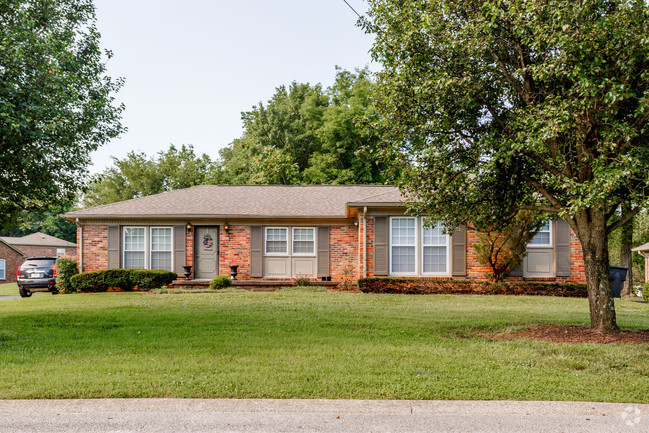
572	334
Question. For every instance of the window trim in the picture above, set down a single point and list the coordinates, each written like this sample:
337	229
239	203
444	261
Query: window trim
550	238
149	245
3	266
445	245
284	254
391	245
315	246
124	250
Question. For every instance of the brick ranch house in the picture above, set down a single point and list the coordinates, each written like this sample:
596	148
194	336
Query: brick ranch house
14	250
274	232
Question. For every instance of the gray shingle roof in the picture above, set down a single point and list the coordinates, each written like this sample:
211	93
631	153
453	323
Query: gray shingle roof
38	239
246	201
643	247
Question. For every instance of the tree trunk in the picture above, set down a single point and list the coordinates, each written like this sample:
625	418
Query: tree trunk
591	229
625	253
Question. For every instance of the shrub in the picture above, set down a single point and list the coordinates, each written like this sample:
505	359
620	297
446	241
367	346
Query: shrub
503	248
346	283
645	291
220	282
302	280
122	279
65	270
417	286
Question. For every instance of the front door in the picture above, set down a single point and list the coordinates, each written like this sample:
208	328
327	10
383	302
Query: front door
206	246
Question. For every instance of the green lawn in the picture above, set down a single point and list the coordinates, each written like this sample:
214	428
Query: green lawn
292	344
11	289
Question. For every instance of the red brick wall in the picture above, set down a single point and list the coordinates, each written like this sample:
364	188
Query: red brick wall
343	250
235	250
32	251
13	260
94	247
474	270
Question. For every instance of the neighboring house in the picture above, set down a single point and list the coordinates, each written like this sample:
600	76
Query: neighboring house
10	259
14	250
276	232
643	250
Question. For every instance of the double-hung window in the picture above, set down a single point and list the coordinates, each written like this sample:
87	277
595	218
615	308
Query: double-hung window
434	249
403	249
134	247
3	269
543	238
161	248
147	248
303	241
418	247
276	240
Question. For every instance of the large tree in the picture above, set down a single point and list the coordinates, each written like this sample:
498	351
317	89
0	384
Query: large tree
307	135
489	107
46	219
138	175
56	102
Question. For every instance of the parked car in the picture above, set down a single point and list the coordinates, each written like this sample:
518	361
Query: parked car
37	274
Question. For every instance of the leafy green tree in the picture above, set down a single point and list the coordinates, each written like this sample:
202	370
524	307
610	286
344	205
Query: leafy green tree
307	135
519	105
137	175
45	219
503	248
56	102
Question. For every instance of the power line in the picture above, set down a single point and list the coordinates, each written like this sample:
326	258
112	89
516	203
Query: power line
350	7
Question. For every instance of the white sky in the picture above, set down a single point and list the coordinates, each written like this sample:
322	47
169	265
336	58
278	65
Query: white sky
192	66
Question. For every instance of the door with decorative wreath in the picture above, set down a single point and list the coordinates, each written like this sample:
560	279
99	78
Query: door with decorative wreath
206	248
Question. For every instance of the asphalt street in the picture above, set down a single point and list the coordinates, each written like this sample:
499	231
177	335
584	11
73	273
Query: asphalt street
245	416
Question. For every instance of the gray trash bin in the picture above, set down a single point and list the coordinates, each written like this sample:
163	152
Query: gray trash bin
617	275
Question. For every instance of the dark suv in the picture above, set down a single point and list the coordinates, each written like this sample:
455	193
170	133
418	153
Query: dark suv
37	274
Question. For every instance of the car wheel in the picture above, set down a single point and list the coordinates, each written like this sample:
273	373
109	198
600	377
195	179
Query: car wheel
24	293
55	292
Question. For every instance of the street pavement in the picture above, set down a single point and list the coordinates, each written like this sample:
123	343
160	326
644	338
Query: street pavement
261	415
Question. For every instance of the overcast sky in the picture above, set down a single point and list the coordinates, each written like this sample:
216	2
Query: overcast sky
191	67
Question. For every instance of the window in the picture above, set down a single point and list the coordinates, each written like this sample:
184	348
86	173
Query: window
403	246
304	241
60	252
412	253
3	269
161	248
134	247
544	236
276	240
435	247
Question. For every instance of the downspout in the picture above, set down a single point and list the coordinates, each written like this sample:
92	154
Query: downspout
80	246
364	242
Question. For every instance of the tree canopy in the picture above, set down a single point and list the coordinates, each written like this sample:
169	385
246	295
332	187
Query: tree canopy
490	107
307	135
56	101
138	175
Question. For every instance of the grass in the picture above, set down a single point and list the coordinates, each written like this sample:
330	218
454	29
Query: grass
11	289
298	344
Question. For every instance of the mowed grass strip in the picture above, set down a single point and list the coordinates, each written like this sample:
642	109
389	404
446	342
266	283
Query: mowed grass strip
292	344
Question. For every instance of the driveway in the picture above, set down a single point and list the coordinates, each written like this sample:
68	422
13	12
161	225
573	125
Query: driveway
245	416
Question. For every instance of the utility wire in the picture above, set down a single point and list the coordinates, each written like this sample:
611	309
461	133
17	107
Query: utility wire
350	7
